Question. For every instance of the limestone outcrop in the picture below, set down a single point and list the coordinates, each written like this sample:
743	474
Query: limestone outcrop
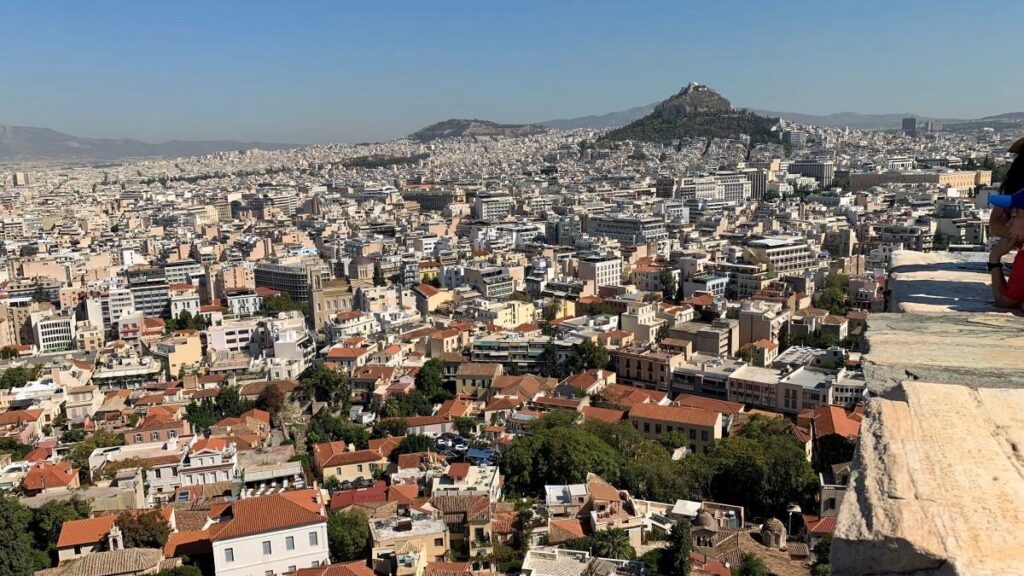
937	486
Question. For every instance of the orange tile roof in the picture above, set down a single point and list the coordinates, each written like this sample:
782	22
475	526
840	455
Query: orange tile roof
85	531
723	406
330	454
357	568
602	414
675	414
264	514
45	474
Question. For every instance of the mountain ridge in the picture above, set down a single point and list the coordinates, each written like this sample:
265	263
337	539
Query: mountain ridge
31	142
697	111
460	127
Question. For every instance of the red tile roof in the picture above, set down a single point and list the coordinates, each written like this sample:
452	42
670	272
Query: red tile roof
602	414
45	474
264	514
675	414
357	568
85	531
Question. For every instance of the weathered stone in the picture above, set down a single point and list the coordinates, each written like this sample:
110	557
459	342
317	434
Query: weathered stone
935	282
937	484
976	350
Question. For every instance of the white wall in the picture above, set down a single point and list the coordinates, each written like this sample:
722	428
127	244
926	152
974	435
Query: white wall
250	561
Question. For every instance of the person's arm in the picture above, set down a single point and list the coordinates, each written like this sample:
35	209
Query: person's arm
999	222
999	250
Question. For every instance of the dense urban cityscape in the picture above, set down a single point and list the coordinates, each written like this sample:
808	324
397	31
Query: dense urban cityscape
688	338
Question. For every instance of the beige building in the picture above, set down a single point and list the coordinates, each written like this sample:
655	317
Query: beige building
700	427
648	368
334	460
179	351
966	179
404	545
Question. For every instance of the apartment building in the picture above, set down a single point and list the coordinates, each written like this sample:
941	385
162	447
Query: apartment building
270	535
701	427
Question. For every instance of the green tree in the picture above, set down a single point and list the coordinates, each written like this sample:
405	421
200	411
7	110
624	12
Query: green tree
519	296
415	403
430	380
762	468
587	356
16	554
79	454
552	310
202	415
550	366
556	453
833	295
652	560
613	543
433	281
390	427
668	283
327	428
17	377
411	444
281	303
48	519
465	425
326	385
230	403
181	571
750	565
16	449
8	353
676	559
822	554
348	535
378	277
143	530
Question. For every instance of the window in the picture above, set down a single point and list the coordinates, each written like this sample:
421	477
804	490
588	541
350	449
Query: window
693	434
438	541
229	554
314	539
154	436
266	548
289	543
138	437
291	569
316	563
268	573
704	435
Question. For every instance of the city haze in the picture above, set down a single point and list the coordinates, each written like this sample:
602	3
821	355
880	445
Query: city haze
342	72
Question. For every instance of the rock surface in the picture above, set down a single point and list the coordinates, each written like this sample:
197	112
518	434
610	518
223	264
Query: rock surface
937	282
977	350
937	485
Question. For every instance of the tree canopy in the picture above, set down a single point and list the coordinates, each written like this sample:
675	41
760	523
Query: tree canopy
348	535
143	530
411	444
325	384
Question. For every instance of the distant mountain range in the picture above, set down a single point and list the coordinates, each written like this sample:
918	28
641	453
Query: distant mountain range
696	111
25	142
600	122
835	120
462	127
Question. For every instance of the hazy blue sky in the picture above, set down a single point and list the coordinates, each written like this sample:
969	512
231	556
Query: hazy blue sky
369	70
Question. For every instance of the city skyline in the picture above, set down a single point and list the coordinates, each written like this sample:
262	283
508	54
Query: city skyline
320	73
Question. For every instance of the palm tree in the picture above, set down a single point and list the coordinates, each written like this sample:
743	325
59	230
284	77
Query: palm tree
613	543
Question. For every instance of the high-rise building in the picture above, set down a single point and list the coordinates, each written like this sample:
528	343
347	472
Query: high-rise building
910	126
150	291
299	277
493	206
824	171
